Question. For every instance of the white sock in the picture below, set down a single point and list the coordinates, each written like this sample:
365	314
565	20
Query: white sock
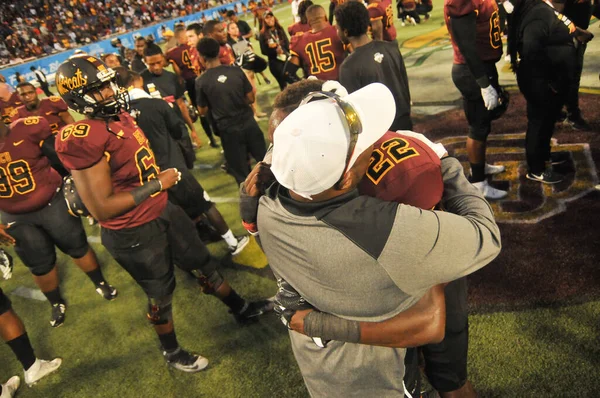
229	238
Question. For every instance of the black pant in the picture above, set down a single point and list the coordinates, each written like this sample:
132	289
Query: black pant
573	95
544	101
238	139
46	88
276	67
478	117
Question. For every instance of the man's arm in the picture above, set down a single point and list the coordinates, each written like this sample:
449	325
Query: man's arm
175	126
186	115
464	30
48	150
95	188
377	29
66	117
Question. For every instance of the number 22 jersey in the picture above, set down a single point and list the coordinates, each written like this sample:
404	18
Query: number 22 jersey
127	151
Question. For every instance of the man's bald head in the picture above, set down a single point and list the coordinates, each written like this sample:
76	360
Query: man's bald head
315	14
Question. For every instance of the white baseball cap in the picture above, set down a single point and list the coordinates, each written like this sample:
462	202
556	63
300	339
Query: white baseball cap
310	146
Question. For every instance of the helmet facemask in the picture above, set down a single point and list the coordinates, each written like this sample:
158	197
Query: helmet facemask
105	107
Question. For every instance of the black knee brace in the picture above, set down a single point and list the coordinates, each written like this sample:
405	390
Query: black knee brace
209	284
160	310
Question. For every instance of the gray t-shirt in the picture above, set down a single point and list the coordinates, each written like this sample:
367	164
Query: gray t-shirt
363	259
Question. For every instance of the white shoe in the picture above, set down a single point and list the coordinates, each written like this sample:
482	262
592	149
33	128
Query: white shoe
10	387
491	169
39	369
241	243
488	191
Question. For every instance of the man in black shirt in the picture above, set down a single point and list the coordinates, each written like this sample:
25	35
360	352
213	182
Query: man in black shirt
227	94
162	127
160	83
579	12
137	64
372	61
245	29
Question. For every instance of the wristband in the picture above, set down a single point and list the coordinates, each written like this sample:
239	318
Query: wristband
143	192
330	327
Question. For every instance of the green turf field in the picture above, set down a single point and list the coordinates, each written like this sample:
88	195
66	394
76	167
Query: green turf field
110	350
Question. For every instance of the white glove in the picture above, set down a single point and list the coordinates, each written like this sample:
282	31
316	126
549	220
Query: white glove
6	264
438	148
490	97
335	87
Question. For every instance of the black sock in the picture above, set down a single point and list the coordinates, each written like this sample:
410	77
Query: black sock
234	301
54	296
96	276
168	341
477	172
23	350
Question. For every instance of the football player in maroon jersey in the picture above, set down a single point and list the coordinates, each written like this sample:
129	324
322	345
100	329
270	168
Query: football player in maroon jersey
381	14
53	109
301	27
33	208
320	51
476	37
119	182
9	101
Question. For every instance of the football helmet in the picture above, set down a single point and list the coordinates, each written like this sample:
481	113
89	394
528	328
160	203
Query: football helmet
80	76
503	102
75	205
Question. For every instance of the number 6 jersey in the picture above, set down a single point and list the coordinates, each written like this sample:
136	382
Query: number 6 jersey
488	35
27	181
127	151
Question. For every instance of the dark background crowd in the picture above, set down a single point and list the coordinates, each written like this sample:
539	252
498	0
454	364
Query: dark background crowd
35	28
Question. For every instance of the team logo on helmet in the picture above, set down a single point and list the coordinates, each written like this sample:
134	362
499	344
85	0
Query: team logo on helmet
529	202
66	84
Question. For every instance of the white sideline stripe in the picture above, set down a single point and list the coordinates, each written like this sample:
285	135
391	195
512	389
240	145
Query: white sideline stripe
94	239
29	293
224	200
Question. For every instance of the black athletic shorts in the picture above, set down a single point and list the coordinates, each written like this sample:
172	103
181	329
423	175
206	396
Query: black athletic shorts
5	304
478	117
190	196
148	252
38	232
446	362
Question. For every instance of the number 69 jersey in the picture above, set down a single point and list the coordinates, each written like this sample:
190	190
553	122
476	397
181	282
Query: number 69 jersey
321	53
126	149
27	181
405	170
488	35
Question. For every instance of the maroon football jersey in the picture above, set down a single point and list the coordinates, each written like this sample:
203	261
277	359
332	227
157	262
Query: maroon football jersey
226	55
321	53
338	2
383	10
404	170
127	151
27	181
49	109
8	107
488	33
182	57
298	28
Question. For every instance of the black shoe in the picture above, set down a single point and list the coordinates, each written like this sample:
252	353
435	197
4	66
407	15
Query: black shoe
182	360
214	144
267	81
58	315
252	310
547	177
577	122
107	291
560	157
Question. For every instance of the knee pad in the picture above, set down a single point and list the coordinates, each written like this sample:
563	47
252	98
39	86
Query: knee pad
481	132
79	252
160	310
5	304
209	283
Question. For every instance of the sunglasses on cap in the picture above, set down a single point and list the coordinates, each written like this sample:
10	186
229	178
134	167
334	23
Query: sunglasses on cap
350	116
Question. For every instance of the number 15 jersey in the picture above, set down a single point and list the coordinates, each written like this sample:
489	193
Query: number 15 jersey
321	53
127	151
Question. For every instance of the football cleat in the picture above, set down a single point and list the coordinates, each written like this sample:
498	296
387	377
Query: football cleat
182	360
39	369
252	310
58	315
10	387
242	242
107	291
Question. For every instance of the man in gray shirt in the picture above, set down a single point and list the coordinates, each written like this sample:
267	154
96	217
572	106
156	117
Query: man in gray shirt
356	257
